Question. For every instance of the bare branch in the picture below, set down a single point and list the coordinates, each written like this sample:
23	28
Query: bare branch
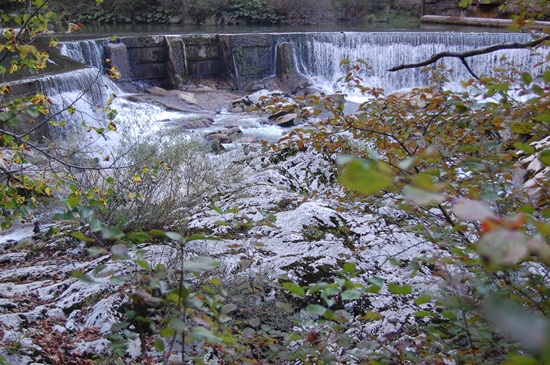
475	52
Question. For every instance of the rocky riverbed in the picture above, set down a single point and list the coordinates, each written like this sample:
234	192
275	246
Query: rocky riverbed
287	215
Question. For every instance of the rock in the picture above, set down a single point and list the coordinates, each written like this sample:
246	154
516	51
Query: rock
181	95
192	124
220	137
225	135
217	147
254	100
155	90
13	258
185	96
287	120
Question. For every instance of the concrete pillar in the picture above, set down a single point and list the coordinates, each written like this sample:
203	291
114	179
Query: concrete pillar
176	64
285	64
118	54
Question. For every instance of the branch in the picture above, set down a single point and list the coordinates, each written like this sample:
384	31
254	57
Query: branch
474	52
23	28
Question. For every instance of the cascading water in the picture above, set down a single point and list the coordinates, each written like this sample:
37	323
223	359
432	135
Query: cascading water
319	55
88	52
86	89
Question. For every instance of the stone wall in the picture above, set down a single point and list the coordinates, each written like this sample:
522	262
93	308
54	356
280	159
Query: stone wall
174	60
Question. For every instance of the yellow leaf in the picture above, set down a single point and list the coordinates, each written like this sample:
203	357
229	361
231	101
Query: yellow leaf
137	178
24	50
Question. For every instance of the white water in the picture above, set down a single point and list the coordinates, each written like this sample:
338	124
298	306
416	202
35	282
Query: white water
319	55
88	52
86	89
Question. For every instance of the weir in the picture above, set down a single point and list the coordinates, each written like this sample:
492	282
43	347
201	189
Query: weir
245	58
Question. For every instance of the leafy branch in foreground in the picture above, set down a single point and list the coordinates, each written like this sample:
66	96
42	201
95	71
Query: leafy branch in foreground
455	164
30	170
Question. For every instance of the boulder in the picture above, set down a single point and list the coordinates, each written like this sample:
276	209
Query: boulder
254	100
200	123
224	136
220	137
181	95
185	96
287	120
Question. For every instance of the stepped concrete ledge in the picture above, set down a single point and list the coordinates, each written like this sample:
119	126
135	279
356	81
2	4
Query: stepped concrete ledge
481	22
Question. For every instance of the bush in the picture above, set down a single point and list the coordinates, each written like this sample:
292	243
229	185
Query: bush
164	176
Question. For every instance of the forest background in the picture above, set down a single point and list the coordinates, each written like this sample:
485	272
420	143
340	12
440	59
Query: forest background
288	12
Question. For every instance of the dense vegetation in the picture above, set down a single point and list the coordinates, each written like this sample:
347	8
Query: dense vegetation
226	11
448	160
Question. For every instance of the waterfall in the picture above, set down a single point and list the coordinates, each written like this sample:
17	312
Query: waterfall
88	52
319	55
86	89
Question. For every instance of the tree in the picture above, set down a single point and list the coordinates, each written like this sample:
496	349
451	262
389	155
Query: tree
28	170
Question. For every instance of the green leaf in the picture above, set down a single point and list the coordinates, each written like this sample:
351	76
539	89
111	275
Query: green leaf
178	325
96	251
376	281
527	78
228	308
423	314
159	345
64	216
366	176
527	148
521	360
544	157
174	236
316	309
144	264
202	334
118	326
216	209
373	289
294	288
351	295
449	315
522	127
110	233
399	289
424	298
545	118
167	332
371	316
81	236
73	200
199	264
520	323
349	267
318	287
197	237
